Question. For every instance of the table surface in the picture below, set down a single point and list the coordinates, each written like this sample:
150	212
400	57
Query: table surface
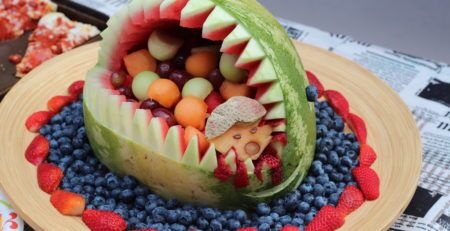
416	27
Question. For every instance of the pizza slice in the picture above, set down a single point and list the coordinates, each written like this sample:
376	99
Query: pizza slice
55	34
18	16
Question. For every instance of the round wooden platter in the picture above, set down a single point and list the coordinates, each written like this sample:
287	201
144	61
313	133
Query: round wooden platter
391	132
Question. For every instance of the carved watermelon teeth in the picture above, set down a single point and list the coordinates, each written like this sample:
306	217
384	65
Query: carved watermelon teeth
171	9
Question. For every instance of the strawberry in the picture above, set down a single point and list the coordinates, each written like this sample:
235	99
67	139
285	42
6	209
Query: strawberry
273	162
68	203
103	220
56	103
313	80
49	176
247	229
241	177
38	119
350	200
223	171
367	155
290	228
368	181
76	88
37	151
358	126
327	219
338	102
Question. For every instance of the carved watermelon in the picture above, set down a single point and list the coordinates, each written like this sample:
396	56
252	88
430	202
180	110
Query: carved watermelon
131	141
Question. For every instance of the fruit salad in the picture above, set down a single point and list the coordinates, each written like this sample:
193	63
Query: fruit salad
200	102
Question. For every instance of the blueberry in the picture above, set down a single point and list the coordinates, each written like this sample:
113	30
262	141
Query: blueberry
128	182
266	219
338	124
336	176
88	189
66	149
340	150
77	189
185	218
127	196
69	131
330	187
67	160
77	165
275	216
320	201
343	169
141	190
78	121
53	157
306	188
322	179
92	161
348	177
98	200
202	223
309	217
172	216
264	227
303	207
79	154
334	198
318	190
308	198
112	182
150	206
286	219
311	93
291	201
279	209
215	225
159	214
328	168
57	119
142	216
239	215
101	191
297	221
322	157
106	207
321	130
87	169
346	161
317	168
99	181
77	142
208	213
263	209
140	202
76	180
56	127
177	227
333	158
122	205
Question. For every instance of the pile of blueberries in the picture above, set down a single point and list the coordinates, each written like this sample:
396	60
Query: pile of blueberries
336	154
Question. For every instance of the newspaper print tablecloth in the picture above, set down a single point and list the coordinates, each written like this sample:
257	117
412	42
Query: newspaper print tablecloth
425	87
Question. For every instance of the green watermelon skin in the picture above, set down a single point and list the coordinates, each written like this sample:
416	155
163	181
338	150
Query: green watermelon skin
115	149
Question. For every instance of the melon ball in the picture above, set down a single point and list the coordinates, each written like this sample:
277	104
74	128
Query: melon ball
198	87
165	92
191	111
142	82
228	69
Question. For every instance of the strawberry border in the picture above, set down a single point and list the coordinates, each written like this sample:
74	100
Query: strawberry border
328	217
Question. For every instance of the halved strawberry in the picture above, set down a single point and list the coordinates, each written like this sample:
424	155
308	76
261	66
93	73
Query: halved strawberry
338	102
368	181
280	137
49	177
223	170
290	228
313	80
327	219
76	88
103	220
358	126
68	203
367	155
38	119
241	177
37	151
247	229
273	163
56	103
350	200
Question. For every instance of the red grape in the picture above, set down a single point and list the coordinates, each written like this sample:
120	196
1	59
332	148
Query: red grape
165	114
149	104
127	92
164	69
117	79
179	78
216	78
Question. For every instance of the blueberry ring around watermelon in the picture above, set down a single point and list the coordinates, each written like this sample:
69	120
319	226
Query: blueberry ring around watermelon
69	202
256	56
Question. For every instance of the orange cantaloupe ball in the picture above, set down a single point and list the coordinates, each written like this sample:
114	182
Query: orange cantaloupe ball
139	61
229	89
201	63
190	132
191	111
165	92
